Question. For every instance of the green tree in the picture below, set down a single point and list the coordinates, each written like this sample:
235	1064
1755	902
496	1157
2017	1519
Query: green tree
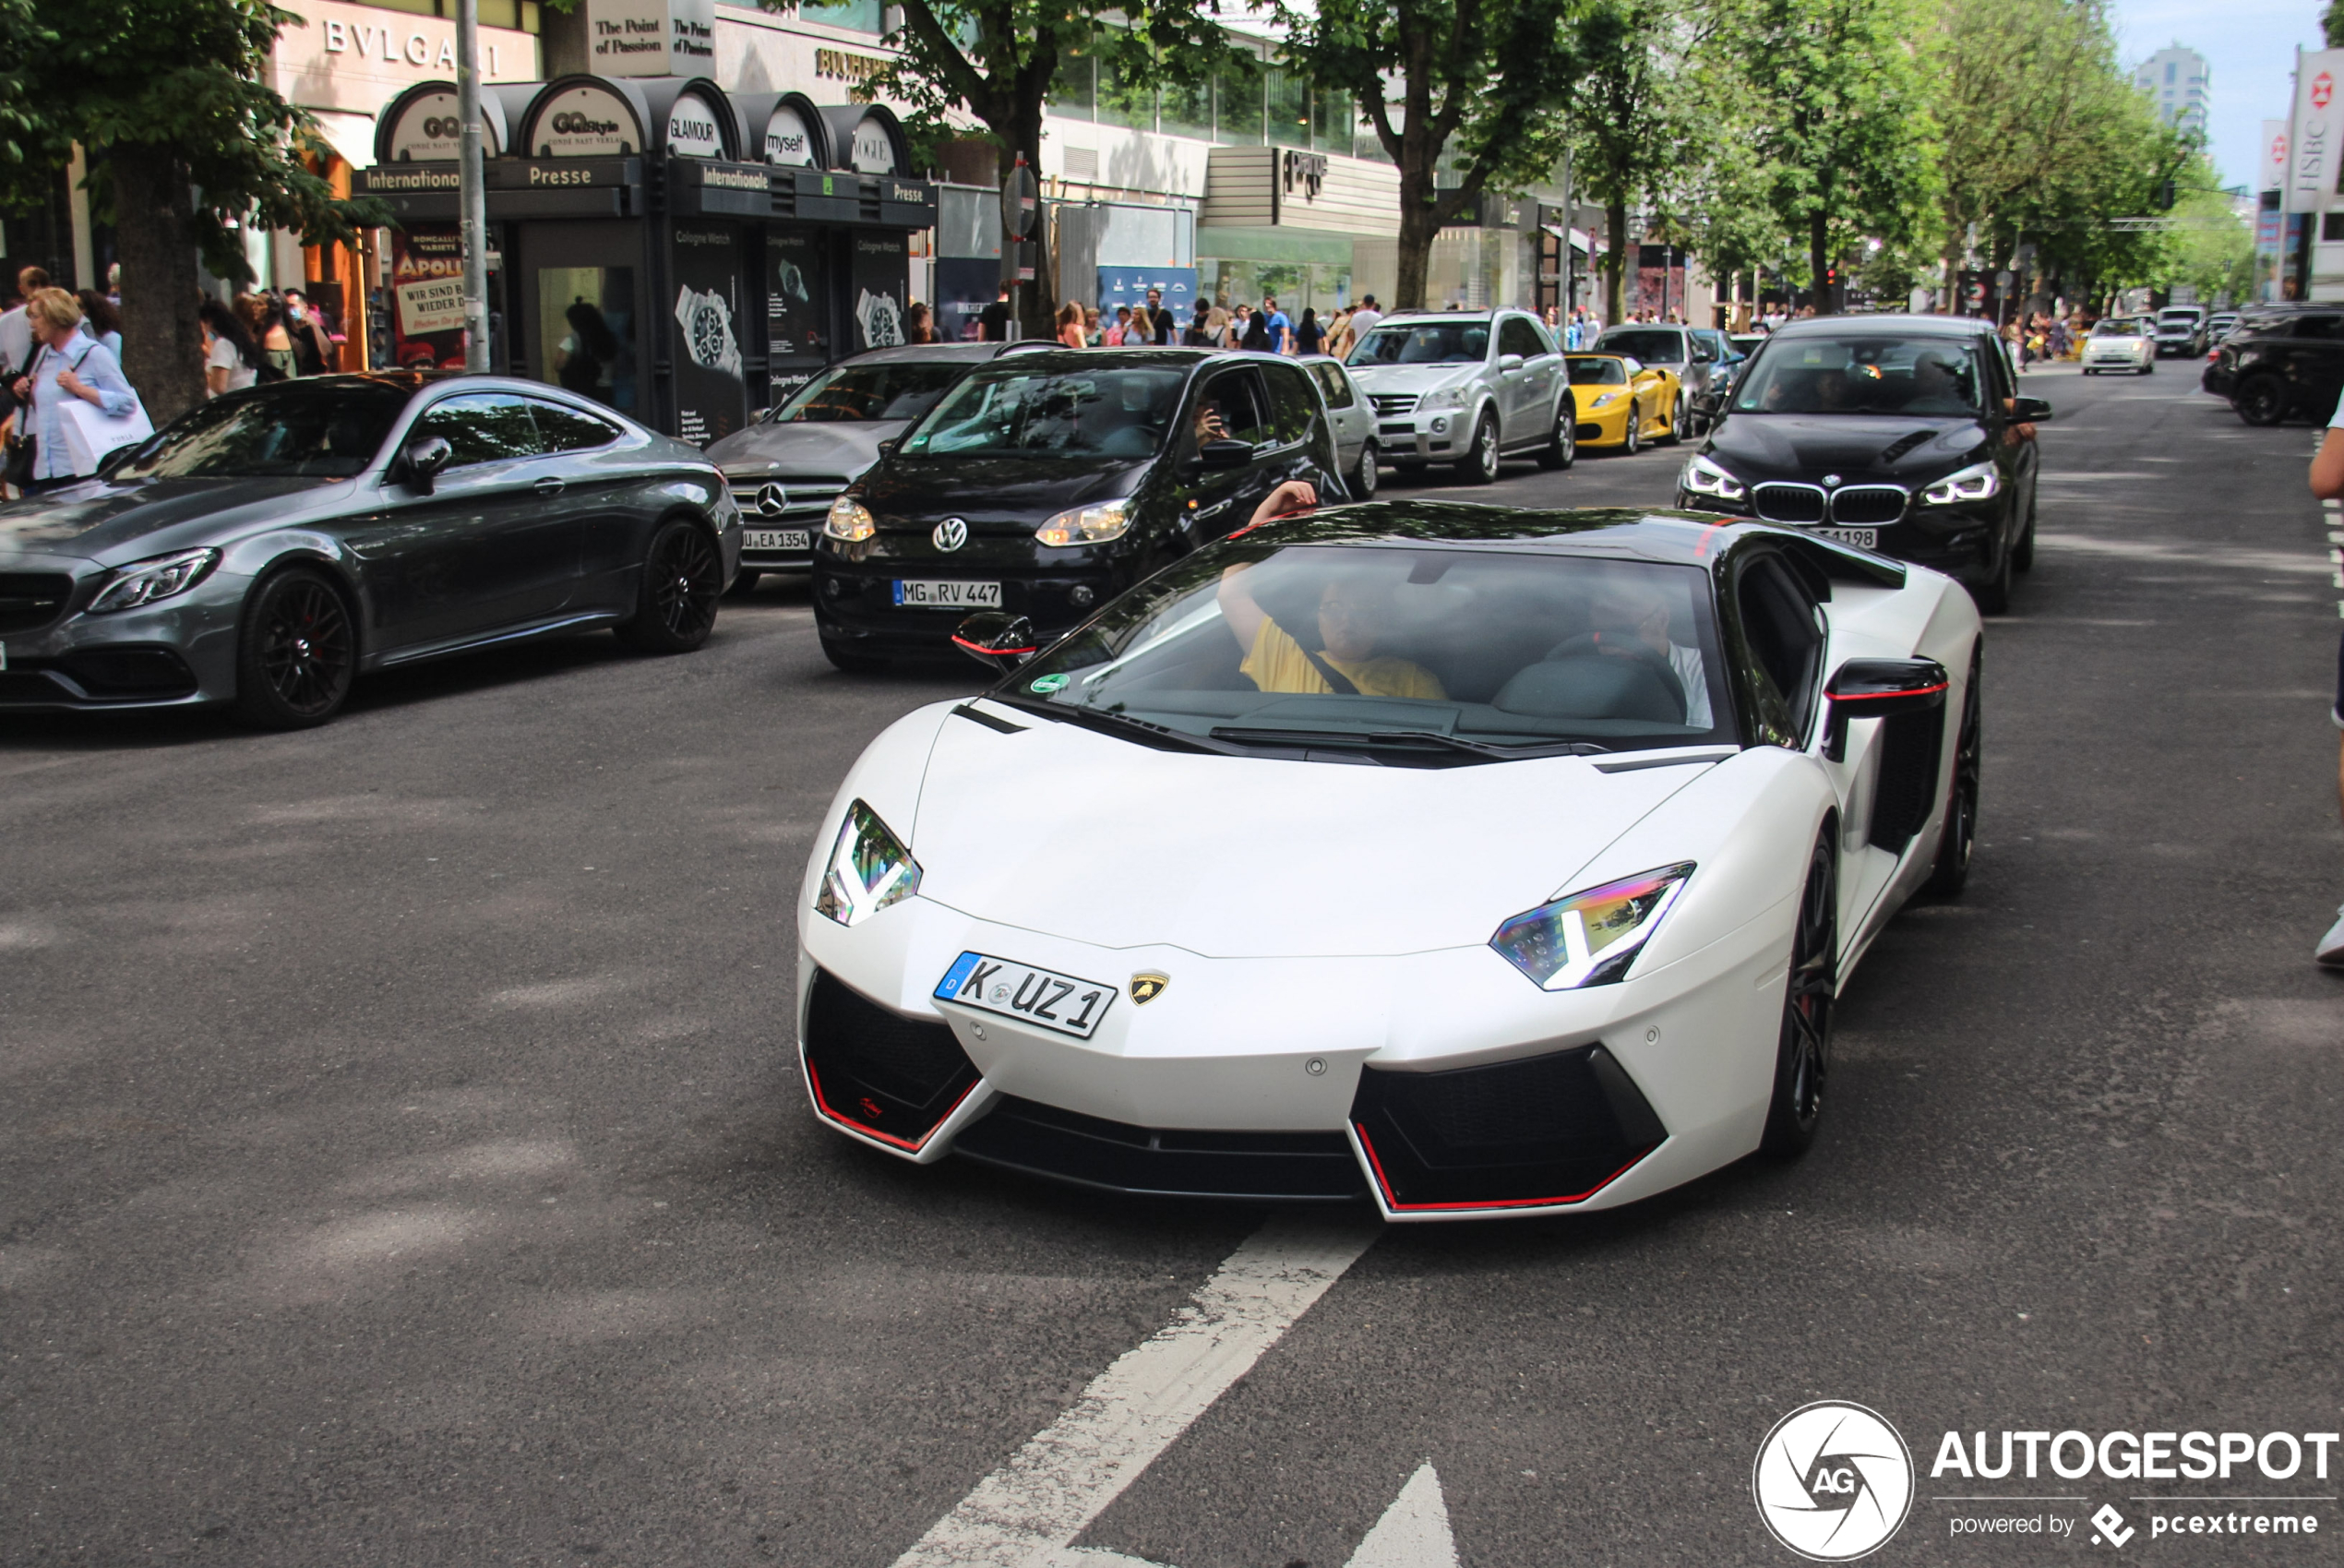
1466	98
1632	89
1839	119
189	142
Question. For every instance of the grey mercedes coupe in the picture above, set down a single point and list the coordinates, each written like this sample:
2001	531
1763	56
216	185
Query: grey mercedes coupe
269	547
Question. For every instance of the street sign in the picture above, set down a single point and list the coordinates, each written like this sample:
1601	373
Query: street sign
1021	195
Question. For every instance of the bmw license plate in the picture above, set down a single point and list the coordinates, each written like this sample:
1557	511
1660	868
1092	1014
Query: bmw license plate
949	595
1038	997
797	539
1862	538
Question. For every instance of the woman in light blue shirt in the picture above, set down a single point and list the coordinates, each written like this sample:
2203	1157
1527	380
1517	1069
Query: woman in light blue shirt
70	364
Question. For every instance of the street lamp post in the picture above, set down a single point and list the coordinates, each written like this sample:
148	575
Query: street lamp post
472	198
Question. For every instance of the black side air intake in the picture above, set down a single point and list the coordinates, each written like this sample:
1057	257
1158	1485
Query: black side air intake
878	1071
1552	1129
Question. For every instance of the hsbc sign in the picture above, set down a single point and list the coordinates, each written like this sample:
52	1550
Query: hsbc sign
2309	155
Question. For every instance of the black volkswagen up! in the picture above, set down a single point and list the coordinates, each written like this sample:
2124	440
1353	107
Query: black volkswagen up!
1050	481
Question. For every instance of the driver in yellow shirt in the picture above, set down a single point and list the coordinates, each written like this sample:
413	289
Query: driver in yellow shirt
1350	618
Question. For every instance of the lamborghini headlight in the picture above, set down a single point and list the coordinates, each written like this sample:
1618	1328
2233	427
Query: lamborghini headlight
1447	397
1087	526
1976	482
1589	938
1706	478
850	521
869	869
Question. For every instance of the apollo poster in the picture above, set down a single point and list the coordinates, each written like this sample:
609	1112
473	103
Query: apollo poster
427	297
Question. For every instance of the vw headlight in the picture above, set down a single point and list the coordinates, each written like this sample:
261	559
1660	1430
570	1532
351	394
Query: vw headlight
869	869
143	582
1087	526
1589	938
1706	478
1976	482
1447	397
850	521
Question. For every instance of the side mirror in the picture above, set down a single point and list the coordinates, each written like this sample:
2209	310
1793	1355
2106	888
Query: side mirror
1509	362
2030	411
997	639
419	463
890	444
1880	688
1226	454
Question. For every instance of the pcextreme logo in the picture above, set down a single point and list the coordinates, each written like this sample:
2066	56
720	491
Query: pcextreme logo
1833	1481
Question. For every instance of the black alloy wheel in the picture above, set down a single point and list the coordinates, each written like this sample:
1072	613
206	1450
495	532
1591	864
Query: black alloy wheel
2022	555
1364	475
2261	400
295	654
744	584
1802	1056
1950	872
1635	441
1563	449
1480	463
1993	596
676	607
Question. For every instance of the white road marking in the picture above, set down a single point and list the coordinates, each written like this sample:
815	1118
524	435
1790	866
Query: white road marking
1413	1532
1026	1514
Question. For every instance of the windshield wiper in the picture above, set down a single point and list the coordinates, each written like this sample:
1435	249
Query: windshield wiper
1407	739
1164	737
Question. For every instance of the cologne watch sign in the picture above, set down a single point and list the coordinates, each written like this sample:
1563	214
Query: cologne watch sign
651	37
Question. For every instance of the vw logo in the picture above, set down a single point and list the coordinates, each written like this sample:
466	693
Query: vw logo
952	533
771	500
1833	1481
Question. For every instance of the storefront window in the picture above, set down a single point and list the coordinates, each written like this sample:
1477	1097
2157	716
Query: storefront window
586	333
1290	98
1332	118
1237	109
1073	93
856	16
1186	111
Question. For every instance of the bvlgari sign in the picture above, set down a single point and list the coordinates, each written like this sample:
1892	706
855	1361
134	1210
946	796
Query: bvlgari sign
356	58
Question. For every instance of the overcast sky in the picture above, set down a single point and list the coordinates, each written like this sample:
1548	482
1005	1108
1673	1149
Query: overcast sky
2251	45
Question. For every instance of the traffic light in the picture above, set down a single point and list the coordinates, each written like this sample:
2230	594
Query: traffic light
2165	195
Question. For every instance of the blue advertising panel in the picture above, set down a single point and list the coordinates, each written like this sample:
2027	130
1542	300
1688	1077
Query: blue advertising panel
1130	285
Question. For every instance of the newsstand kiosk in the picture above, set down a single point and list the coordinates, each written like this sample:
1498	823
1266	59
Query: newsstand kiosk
678	253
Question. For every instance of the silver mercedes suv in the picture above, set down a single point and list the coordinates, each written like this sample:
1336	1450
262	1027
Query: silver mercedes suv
1471	387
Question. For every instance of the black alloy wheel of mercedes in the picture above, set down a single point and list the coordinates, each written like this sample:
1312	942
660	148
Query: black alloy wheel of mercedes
683	576
2261	400
1950	872
1802	1058
297	652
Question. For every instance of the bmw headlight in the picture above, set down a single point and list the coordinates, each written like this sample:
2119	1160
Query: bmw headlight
143	582
1706	478
1087	526
1447	397
869	869
1976	482
850	521
1589	938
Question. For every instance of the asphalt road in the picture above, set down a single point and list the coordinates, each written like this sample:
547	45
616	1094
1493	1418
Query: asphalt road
402	1159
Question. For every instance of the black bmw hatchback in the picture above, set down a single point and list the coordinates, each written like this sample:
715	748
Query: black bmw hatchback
1050	481
1901	433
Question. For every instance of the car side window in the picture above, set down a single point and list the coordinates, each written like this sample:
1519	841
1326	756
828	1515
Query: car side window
1516	335
1294	404
1785	632
2328	328
1335	383
566	430
482	427
1236	395
1546	339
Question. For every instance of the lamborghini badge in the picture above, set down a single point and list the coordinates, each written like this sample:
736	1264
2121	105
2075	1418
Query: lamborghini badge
1146	988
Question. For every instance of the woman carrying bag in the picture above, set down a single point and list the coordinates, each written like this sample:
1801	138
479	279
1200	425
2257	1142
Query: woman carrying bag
80	408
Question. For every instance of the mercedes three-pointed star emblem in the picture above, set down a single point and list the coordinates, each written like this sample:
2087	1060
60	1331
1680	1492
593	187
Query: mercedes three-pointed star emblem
771	499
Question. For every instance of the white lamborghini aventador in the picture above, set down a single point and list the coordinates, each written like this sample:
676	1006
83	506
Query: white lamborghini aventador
1482	862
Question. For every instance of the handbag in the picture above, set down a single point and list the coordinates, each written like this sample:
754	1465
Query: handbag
91	434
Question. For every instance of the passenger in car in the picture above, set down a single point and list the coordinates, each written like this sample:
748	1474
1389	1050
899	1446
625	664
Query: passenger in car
1351	612
1629	617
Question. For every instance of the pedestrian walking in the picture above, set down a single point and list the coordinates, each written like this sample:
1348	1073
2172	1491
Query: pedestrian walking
1160	322
1340	338
16	344
1280	326
1257	338
71	371
2327	484
1116	327
919	323
1363	320
313	353
233	362
1093	335
1070	330
1199	333
1216	327
993	321
1309	338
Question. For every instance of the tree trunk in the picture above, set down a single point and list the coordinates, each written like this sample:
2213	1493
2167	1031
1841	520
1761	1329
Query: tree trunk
1615	267
1419	226
154	233
1819	263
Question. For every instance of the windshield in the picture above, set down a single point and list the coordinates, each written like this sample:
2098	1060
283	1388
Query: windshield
2118	326
896	389
1445	652
1424	342
1596	370
1651	347
2179	319
1862	375
293	430
1075	414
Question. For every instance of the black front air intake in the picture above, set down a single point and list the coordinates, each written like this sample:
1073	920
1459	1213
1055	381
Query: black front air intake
1549	1130
1069	1146
878	1071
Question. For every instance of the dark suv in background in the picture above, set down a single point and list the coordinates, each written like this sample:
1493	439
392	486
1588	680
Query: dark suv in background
2281	360
1690	354
1048	481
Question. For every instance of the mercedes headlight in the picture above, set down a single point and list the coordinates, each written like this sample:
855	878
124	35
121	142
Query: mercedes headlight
1706	478
1589	938
869	869
850	521
143	582
1447	397
1087	526
1976	482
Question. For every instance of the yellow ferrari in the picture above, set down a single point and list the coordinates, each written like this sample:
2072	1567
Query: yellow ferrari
1624	402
